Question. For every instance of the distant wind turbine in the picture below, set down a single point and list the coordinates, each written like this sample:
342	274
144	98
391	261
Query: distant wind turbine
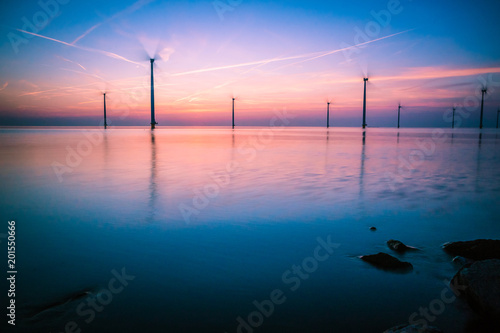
233	111
105	123
483	91
453	119
364	104
399	113
328	115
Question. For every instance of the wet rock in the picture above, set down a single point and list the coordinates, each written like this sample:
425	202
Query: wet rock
479	249
387	262
373	229
405	328
461	261
398	246
479	283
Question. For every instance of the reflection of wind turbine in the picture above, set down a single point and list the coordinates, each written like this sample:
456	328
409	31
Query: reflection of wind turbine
362	167
483	91
153	121
478	164
152	182
105	123
364	103
498	114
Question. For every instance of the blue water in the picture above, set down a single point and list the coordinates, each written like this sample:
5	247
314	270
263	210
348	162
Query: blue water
205	221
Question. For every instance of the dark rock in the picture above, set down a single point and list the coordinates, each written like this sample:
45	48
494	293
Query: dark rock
461	261
479	249
405	328
373	228
387	262
479	283
398	246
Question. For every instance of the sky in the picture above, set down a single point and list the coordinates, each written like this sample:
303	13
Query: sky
58	57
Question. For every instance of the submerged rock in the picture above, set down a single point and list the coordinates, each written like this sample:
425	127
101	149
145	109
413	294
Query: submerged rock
479	249
387	262
479	283
405	328
59	304
399	246
373	229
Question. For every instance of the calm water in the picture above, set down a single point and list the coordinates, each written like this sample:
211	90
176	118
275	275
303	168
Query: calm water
209	220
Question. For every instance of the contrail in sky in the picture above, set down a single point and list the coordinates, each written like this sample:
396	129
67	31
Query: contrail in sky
71	61
86	32
311	56
106	53
347	48
136	6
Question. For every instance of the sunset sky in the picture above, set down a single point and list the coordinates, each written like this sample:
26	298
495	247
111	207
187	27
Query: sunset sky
58	57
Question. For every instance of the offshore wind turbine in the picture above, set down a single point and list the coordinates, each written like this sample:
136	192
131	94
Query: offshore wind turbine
153	121
233	112
364	103
105	122
483	91
399	113
453	118
328	115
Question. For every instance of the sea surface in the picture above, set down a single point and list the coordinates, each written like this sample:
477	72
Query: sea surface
247	230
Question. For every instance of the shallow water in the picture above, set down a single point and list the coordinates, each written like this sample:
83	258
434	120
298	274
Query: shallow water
209	220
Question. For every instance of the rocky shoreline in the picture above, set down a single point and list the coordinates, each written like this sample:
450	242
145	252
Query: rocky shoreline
477	281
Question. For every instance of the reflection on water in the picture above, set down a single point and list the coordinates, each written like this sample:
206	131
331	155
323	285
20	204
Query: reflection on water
208	219
152	184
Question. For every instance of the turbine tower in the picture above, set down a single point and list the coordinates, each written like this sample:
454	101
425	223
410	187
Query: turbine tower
328	115
399	113
364	103
153	121
105	123
233	112
483	91
453	119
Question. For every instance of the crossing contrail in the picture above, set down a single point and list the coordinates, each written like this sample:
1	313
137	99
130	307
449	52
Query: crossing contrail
311	56
106	53
137	5
71	61
346	48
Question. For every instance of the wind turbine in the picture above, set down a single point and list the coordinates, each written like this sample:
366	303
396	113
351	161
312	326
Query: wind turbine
105	123
153	121
364	103
483	91
453	119
399	113
328	114
233	111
